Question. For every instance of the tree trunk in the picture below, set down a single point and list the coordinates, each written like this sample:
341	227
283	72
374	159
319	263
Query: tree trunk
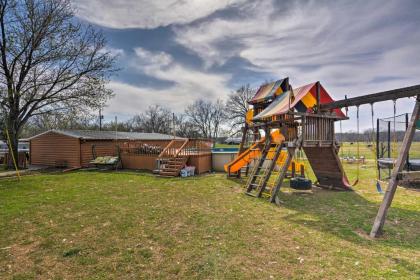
12	137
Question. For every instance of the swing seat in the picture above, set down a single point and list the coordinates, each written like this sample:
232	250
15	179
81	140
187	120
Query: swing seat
379	188
347	183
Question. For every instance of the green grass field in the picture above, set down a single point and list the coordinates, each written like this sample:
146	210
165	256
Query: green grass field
105	225
348	149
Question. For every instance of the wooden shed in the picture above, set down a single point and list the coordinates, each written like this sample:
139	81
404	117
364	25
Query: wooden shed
76	148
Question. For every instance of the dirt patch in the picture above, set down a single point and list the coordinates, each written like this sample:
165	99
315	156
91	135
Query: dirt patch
20	256
363	234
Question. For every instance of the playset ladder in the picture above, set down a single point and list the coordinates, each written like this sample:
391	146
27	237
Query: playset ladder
258	167
270	169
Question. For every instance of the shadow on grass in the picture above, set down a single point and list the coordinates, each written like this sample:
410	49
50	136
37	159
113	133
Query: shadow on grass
348	215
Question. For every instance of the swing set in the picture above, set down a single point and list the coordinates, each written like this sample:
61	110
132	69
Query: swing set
303	118
401	157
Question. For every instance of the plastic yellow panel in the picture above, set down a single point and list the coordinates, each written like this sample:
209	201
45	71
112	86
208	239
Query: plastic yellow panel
249	116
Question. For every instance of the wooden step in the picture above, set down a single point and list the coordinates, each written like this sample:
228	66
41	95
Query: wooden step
168	173
174	165
250	194
171	169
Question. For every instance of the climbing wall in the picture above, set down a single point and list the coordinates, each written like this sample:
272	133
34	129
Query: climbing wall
327	167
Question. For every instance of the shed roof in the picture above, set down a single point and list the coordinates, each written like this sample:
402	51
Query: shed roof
110	135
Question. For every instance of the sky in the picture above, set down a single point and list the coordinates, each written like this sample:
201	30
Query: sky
172	52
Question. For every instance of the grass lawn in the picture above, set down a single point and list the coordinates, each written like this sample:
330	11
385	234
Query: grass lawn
348	149
93	225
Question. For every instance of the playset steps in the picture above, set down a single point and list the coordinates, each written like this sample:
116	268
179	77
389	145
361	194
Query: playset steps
260	175
171	167
171	160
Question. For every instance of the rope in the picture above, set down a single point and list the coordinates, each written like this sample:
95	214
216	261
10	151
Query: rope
341	139
394	134
358	147
375	156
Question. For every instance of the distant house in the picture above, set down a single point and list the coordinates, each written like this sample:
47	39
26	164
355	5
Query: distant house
77	148
23	146
233	140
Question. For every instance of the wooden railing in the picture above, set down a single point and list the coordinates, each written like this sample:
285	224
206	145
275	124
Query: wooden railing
142	148
170	148
317	129
187	148
173	148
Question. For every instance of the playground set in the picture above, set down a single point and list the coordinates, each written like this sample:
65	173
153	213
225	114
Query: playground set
284	121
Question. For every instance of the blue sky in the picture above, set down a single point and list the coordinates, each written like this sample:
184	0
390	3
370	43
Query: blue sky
172	52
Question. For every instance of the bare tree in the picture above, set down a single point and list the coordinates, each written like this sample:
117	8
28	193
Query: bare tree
184	127
237	107
48	62
206	117
155	119
71	118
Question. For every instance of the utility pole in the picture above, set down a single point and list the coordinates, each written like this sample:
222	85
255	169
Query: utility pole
100	119
116	128
173	125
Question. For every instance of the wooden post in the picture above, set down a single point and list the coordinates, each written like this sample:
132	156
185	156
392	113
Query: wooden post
243	140
261	161
241	146
290	153
389	139
408	155
393	181
293	170
318	96
377	150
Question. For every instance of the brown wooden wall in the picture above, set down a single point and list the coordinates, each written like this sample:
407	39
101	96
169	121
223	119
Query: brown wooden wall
53	149
108	148
139	162
202	163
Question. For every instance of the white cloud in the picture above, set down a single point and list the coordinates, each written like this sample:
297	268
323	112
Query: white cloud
350	46
147	14
188	85
335	43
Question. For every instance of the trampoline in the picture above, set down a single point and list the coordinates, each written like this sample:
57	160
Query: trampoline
389	138
413	164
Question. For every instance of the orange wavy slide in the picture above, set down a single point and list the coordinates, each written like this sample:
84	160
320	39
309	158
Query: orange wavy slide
254	152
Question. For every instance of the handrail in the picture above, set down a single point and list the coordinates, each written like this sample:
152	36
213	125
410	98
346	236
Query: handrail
166	148
182	146
177	150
